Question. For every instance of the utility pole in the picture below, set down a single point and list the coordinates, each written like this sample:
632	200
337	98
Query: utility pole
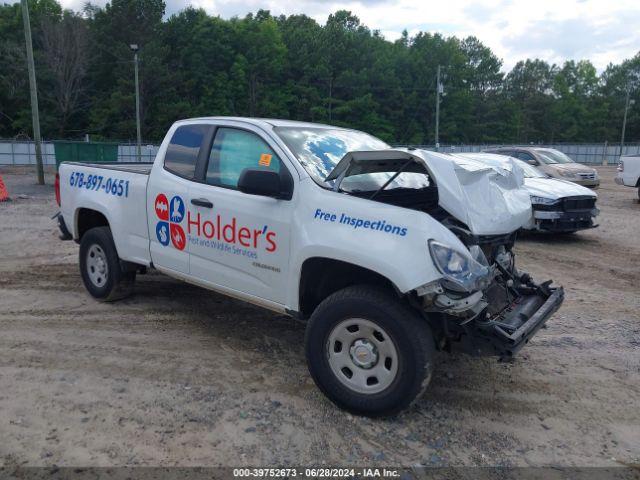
624	120
35	116
134	47
438	92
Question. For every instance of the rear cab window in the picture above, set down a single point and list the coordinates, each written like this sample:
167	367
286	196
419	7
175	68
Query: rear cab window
183	150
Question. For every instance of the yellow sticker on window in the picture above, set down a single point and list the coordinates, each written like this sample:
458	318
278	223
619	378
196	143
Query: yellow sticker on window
265	160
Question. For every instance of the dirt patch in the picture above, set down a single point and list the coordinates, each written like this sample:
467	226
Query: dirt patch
178	375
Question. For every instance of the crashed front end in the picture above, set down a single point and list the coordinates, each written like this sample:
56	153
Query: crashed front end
480	303
484	305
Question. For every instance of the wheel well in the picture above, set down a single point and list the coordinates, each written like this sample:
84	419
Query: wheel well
320	277
88	219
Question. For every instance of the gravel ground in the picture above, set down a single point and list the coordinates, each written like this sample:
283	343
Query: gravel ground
177	375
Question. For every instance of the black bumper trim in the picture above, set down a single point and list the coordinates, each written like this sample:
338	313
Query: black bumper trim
522	335
568	222
510	330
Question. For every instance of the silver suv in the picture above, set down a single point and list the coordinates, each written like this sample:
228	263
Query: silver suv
554	163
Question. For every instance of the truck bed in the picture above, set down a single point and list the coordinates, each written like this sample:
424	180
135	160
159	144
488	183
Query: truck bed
129	167
118	192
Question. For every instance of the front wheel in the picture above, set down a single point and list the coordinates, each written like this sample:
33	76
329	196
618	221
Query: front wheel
100	267
369	352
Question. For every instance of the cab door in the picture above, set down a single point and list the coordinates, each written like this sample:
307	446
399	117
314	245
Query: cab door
239	242
167	194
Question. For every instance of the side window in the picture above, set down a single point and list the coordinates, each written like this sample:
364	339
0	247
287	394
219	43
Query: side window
234	150
524	156
182	152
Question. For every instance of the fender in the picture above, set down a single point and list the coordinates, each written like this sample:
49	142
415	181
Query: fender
388	240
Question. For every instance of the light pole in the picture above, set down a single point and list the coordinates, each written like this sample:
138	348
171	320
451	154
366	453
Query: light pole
439	90
134	48
627	103
35	116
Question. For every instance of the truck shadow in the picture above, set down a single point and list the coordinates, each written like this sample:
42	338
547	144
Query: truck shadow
274	344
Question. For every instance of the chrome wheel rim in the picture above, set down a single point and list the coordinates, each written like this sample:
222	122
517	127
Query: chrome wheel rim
97	267
362	356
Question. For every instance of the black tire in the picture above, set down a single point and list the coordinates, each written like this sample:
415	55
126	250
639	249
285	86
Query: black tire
409	332
116	283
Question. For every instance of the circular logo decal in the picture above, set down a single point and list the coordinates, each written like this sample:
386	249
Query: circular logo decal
162	207
162	232
176	209
177	236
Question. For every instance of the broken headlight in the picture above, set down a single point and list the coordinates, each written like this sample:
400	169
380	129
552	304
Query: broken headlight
461	271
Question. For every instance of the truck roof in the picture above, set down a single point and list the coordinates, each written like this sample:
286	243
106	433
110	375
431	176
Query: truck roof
268	122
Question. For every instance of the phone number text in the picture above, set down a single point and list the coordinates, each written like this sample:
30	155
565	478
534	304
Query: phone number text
110	186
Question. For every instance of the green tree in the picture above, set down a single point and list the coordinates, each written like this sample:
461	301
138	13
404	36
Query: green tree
193	64
528	85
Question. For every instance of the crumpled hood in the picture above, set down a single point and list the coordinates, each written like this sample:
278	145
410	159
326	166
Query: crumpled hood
489	199
555	188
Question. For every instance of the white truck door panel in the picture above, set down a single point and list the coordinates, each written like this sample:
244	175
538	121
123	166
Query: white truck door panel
167	196
240	241
165	200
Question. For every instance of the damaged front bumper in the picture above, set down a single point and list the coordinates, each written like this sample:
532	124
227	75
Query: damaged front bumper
505	333
498	321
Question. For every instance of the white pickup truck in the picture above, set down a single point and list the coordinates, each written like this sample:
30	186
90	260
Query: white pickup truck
629	172
388	254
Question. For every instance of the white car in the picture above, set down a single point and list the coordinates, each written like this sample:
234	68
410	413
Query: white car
388	254
558	205
629	172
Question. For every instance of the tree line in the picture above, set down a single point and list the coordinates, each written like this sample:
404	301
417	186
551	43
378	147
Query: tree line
342	73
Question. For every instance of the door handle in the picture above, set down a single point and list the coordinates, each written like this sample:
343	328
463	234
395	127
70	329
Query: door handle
202	202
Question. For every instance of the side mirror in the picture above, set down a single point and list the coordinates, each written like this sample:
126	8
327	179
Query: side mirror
533	162
264	182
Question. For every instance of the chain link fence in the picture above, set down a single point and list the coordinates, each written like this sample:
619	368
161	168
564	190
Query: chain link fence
20	152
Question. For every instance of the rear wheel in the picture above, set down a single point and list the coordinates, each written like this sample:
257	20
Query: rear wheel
369	352
100	267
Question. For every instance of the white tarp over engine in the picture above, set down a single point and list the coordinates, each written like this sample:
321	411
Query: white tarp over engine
489	199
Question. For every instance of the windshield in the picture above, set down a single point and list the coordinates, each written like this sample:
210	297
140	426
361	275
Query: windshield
529	170
553	156
319	149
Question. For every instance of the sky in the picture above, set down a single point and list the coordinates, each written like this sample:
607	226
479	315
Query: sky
553	30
